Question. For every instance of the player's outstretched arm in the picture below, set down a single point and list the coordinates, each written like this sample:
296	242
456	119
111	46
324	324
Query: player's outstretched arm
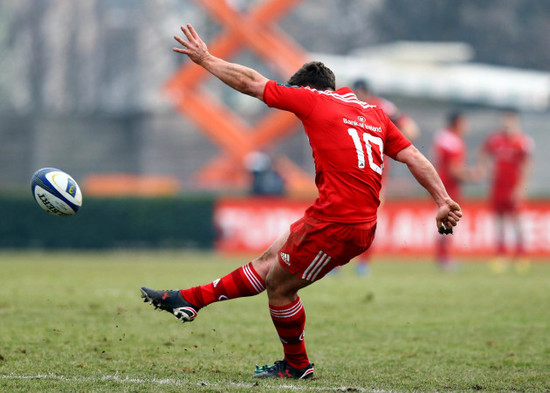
240	78
449	212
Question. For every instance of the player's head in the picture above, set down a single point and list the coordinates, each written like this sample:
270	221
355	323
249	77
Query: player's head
361	89
510	120
457	121
314	74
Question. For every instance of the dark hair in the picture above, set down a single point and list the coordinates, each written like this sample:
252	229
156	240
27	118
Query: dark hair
314	74
360	84
453	117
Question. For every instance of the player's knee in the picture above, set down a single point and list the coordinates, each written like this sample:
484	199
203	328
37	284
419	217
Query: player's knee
271	285
278	295
263	263
267	256
279	292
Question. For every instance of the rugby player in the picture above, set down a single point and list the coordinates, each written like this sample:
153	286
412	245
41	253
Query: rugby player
348	138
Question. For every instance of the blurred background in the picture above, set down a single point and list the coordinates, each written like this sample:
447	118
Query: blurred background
93	88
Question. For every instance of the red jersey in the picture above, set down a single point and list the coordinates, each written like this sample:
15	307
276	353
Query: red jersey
348	139
449	150
509	153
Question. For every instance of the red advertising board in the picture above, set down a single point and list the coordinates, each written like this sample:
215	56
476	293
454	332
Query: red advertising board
404	227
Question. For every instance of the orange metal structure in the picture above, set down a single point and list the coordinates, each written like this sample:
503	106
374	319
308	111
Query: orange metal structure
236	138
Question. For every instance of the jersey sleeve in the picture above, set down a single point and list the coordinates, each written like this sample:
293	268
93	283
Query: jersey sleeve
295	99
395	140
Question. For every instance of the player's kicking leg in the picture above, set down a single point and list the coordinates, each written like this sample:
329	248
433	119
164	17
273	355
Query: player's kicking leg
247	280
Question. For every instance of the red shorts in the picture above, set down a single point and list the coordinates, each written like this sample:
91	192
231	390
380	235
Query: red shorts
315	247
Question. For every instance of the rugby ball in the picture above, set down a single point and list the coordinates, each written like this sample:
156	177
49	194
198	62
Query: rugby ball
56	192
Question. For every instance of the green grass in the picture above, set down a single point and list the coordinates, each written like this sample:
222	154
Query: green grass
74	322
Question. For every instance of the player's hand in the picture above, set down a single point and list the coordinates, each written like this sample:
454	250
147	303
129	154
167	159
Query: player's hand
448	216
194	47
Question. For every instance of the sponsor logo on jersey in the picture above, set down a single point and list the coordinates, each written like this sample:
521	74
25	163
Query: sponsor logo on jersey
286	258
215	282
361	124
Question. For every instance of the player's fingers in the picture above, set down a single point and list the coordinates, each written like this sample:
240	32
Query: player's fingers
180	50
181	41
455	207
192	31
187	33
455	216
450	221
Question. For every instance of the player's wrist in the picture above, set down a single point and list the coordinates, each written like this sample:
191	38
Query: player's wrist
204	60
443	201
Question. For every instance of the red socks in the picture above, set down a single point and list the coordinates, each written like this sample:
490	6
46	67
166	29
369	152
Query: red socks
244	281
289	321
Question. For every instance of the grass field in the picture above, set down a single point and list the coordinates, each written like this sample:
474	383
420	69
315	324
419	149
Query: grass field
74	322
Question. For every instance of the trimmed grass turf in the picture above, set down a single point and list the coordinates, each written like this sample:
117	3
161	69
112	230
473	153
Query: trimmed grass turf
74	322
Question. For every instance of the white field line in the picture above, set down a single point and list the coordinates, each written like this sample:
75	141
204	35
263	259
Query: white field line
185	383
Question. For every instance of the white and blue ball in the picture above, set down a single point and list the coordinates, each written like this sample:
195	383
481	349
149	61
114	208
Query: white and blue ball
56	192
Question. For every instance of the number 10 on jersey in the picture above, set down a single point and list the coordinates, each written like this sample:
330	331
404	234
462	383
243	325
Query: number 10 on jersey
370	141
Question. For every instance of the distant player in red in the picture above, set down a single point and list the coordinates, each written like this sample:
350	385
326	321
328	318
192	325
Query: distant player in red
348	138
509	151
449	152
406	125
